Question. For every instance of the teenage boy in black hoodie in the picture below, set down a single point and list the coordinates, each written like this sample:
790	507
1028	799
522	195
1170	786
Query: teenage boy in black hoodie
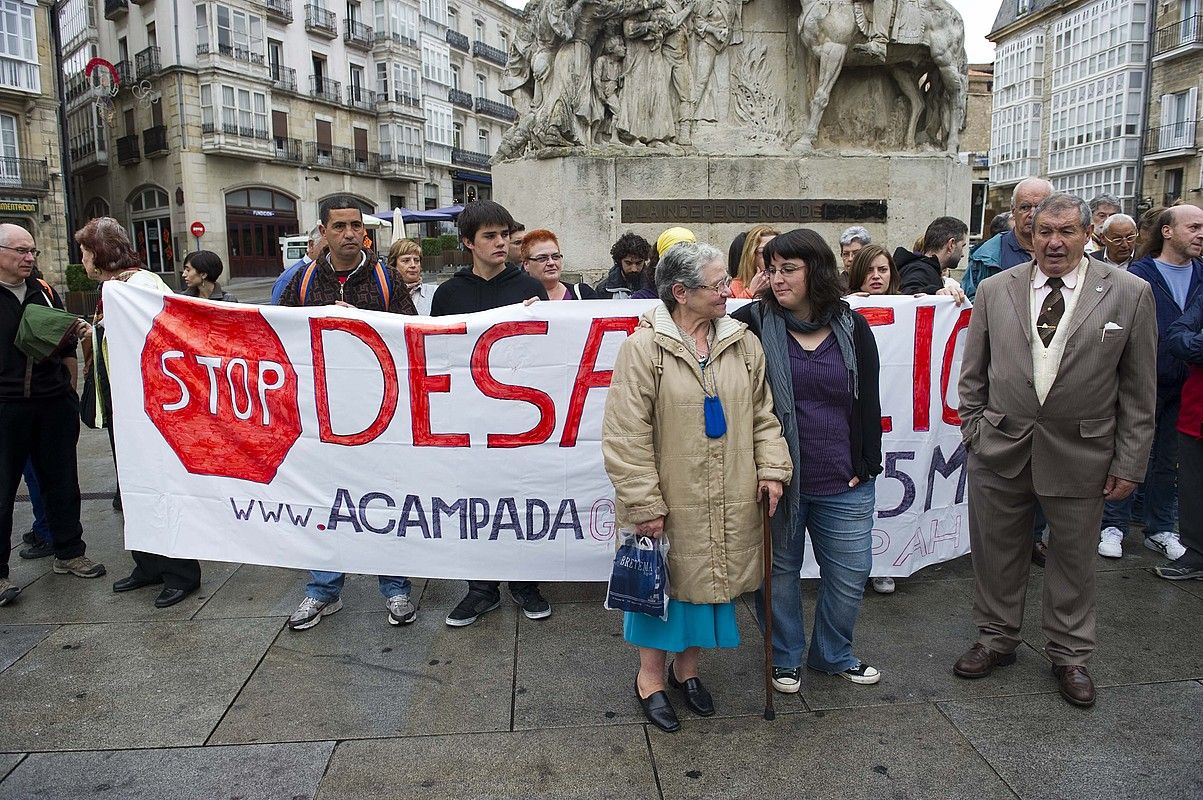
943	245
484	228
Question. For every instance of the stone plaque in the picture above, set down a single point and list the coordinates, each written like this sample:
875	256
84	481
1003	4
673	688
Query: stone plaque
752	212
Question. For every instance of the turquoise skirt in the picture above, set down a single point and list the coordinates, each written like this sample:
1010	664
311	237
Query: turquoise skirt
704	625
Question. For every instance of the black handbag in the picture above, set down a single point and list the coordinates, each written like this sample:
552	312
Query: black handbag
87	400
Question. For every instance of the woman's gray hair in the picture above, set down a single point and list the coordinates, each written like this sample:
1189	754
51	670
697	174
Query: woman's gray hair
683	263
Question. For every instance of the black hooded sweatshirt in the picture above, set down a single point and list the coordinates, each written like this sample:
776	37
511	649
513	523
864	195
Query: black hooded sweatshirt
917	274
465	292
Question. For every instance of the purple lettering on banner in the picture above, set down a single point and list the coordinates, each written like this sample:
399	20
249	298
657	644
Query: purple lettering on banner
412	508
545	512
342	498
439	508
507	506
363	512
573	523
478	517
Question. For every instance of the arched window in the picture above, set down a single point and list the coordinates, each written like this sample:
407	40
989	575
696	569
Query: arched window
150	228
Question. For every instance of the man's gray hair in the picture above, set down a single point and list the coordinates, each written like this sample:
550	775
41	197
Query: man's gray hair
683	263
1032	183
1104	200
1115	219
1064	202
315	234
855	234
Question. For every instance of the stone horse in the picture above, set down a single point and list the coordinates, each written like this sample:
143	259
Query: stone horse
829	29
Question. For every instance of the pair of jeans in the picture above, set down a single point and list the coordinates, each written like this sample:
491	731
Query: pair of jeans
326	587
1159	492
840	529
41	530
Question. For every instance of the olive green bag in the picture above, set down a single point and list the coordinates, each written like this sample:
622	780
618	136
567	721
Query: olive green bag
44	332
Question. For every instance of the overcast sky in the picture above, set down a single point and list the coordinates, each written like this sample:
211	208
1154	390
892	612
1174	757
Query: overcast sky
978	16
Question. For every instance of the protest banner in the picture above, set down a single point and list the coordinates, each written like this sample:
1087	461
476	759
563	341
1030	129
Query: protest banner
452	447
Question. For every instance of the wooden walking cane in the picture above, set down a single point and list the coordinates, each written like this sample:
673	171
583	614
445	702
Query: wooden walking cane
769	713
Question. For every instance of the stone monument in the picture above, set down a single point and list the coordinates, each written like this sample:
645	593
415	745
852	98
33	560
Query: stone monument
722	114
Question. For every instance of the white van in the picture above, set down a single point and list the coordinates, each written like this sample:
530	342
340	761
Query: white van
293	249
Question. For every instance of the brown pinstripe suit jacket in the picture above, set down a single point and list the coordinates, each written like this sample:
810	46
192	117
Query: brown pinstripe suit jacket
1097	419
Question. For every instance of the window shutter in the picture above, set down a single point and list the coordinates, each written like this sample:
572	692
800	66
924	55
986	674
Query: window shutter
323	135
280	124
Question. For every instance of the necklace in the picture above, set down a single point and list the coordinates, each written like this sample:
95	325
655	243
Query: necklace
708	383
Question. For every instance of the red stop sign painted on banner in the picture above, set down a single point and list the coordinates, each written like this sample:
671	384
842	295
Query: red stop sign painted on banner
219	387
198	229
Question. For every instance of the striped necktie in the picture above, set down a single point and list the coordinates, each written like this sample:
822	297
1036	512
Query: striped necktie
1051	311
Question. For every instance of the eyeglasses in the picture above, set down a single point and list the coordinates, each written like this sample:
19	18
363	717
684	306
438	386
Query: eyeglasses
785	272
23	251
1121	239
545	258
719	287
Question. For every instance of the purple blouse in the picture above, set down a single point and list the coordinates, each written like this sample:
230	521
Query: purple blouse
823	406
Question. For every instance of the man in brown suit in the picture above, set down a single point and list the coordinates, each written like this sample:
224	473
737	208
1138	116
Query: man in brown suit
1056	405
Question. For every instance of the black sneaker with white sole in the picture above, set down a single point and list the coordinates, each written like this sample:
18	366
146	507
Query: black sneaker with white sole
471	607
534	605
787	681
862	673
1179	572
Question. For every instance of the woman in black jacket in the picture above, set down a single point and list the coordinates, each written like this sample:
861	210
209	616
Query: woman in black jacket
823	368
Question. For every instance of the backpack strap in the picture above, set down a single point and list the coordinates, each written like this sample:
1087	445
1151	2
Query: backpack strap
384	283
306	279
47	292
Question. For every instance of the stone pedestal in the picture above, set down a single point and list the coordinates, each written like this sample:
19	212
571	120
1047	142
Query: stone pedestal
580	198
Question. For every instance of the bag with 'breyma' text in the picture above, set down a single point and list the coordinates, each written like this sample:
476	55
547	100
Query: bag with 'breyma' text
639	579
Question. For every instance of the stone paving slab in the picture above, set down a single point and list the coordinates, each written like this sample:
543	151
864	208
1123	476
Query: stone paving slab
585	763
17	640
254	591
910	752
7	762
254	772
354	675
1137	742
114	686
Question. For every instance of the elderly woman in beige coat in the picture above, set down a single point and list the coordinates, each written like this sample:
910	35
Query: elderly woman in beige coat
692	476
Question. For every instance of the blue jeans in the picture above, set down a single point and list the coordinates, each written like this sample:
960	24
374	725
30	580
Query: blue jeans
841	532
40	529
1159	492
326	587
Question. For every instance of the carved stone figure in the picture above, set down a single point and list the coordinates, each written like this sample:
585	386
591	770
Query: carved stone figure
718	24
607	82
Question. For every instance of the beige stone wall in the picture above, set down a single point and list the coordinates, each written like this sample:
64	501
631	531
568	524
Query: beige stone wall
1170	76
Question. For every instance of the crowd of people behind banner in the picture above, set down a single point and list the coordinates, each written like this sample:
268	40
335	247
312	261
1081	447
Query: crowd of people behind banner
1081	406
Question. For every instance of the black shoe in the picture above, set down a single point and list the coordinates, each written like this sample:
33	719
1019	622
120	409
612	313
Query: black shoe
29	537
1173	571
696	696
534	606
471	607
37	550
659	710
117	501
170	596
134	581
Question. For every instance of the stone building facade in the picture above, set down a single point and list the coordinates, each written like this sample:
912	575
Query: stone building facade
30	166
975	146
1173	169
244	114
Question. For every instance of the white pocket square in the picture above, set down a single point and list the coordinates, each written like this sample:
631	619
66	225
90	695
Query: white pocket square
1111	326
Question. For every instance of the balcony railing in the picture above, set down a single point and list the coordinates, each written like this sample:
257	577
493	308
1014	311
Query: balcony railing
127	150
25	173
154	141
459	98
1185	33
289	150
411	166
363	99
231	129
236	53
401	99
495	109
283	78
78	87
490	53
343	159
20	75
458	40
279	9
146	63
384	37
325	89
319	20
1176	137
356	34
125	72
469	158
115	8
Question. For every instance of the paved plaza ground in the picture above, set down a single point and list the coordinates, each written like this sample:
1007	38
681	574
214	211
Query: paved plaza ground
102	695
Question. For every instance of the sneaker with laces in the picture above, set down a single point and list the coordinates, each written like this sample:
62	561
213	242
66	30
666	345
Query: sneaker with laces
862	673
37	550
787	681
80	566
1179	572
534	605
1167	544
8	591
471	607
400	610
1111	543
311	611
882	585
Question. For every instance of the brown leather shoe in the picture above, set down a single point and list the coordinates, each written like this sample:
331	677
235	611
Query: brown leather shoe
1039	553
1075	684
979	661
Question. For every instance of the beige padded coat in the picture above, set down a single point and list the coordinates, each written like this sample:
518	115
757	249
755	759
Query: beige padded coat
661	462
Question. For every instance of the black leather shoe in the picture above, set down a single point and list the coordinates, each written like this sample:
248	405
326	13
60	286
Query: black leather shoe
659	710
134	581
169	596
696	696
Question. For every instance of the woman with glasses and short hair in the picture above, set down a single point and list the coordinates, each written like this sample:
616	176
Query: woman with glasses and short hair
543	261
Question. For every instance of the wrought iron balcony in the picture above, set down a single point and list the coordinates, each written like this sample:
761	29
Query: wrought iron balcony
470	158
279	9
115	8
495	109
490	53
356	34
320	21
125	72
342	159
154	141
410	102
283	78
459	98
384	38
1183	35
26	173
236	53
1177	138
146	63
289	150
127	150
325	89
458	40
405	166
363	99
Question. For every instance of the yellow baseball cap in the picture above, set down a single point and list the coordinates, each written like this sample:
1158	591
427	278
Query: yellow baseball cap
673	236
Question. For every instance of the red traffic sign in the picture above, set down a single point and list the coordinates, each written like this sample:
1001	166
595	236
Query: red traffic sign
198	229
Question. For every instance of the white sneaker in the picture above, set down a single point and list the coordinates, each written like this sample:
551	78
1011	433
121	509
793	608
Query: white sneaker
1111	543
310	613
1167	544
400	610
882	585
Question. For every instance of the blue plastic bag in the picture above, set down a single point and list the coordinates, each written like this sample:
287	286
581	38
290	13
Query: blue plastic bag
639	579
